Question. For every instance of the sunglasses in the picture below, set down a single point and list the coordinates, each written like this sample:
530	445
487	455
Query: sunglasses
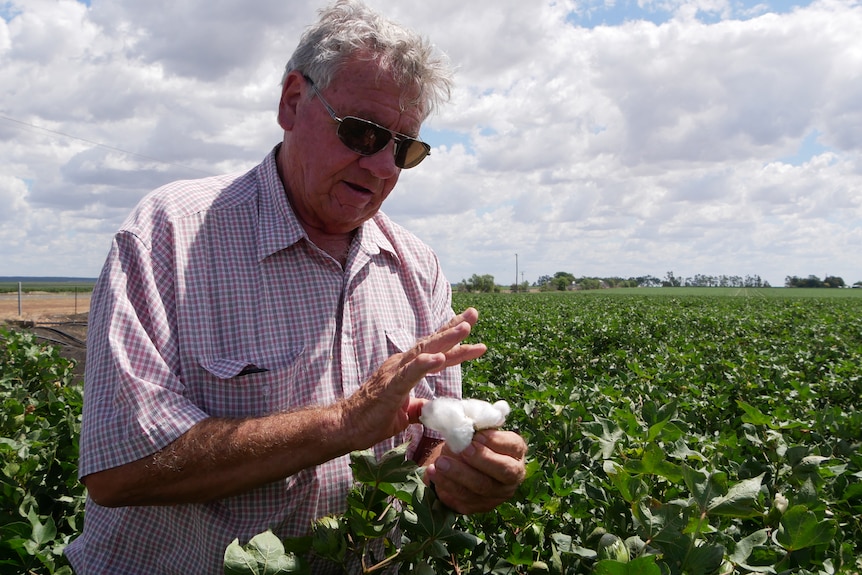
367	138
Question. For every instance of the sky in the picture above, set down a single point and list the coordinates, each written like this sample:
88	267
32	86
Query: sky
602	138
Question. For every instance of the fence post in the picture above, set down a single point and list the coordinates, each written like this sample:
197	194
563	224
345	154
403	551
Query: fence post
19	299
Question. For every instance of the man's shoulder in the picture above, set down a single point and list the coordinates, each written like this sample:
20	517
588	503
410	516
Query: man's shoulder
186	197
187	203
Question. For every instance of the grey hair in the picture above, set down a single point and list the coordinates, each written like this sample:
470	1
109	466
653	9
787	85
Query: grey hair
349	30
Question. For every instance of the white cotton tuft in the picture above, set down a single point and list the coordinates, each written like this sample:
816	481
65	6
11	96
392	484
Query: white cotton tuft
485	415
457	419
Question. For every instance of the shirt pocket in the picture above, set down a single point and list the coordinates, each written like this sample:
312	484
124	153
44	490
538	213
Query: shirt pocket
239	387
399	341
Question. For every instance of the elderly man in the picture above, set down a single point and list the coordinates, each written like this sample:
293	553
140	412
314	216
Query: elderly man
249	331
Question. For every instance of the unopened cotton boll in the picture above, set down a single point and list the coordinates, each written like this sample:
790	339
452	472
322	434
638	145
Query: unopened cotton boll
457	419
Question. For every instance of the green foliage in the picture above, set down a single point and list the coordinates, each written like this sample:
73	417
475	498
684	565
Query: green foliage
392	522
48	286
478	283
42	501
712	434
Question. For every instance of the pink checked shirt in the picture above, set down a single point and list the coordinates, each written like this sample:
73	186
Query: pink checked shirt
213	302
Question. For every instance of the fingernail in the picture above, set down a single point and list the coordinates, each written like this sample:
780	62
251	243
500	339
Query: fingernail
469	450
443	464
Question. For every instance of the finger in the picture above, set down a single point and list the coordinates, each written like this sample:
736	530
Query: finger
502	442
464	489
470	315
453	332
463	352
505	468
443	339
440	350
414	408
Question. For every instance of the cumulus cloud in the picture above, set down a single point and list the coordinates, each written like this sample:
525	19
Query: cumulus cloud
699	136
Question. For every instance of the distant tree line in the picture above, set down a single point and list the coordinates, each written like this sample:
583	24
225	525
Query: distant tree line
704	280
563	281
813	281
566	281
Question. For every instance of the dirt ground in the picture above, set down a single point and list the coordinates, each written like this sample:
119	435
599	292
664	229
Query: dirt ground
58	319
36	306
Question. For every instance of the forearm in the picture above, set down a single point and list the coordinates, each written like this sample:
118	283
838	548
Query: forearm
218	458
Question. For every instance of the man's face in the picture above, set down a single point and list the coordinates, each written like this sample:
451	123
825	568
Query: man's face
333	189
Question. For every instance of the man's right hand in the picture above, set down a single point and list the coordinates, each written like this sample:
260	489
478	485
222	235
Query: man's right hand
382	407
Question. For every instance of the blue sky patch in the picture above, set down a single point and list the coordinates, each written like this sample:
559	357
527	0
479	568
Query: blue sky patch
809	148
595	13
447	138
7	12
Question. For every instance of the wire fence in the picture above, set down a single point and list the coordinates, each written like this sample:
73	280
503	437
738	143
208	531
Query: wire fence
35	303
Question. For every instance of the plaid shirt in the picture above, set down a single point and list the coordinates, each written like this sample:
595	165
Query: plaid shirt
213	302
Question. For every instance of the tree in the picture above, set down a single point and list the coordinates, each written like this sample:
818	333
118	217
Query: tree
484	283
562	280
813	281
834	282
589	283
671	280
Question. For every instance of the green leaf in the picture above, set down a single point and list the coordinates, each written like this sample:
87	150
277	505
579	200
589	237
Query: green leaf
754	415
741	500
238	561
654	462
640	566
629	487
433	519
746	545
264	555
662	522
607	433
703	560
800	528
704	488
42	532
393	466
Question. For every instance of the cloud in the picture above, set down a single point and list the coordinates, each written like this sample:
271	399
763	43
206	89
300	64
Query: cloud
695	136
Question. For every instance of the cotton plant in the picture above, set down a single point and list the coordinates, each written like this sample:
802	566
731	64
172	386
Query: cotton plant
458	419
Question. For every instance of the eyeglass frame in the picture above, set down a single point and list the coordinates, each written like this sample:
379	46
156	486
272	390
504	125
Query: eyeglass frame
397	137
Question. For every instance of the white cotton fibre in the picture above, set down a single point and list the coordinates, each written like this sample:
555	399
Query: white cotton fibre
484	414
457	419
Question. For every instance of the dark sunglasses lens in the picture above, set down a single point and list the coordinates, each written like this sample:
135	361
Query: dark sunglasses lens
363	137
410	153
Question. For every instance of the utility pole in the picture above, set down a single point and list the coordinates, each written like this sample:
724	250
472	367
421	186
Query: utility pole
516	273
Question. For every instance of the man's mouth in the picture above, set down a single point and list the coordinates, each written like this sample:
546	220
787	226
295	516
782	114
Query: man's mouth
358	188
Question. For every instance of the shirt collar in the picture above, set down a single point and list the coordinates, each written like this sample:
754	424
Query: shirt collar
280	228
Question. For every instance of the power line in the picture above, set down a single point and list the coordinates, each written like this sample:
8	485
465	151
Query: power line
100	145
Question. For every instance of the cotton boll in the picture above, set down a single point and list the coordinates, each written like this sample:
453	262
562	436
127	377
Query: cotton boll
503	408
457	419
442	413
460	436
446	415
484	414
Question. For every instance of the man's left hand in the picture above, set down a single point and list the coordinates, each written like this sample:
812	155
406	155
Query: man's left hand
484	475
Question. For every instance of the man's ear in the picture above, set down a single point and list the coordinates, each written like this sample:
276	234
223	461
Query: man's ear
291	92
